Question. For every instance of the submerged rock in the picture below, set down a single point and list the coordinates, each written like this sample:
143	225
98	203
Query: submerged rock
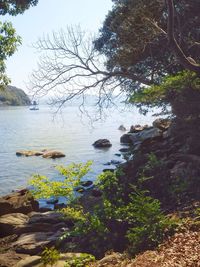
86	183
124	150
44	153
122	128
53	154
102	143
29	153
108	170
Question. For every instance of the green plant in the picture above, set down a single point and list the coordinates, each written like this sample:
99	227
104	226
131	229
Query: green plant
50	256
46	188
74	214
80	261
148	225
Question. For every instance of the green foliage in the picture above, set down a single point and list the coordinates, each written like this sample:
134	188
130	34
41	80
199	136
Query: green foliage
46	188
50	256
13	96
80	261
133	42
74	214
176	91
9	42
147	223
14	7
125	218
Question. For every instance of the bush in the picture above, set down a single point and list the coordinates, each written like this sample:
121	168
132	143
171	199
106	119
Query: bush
50	256
80	261
46	188
134	221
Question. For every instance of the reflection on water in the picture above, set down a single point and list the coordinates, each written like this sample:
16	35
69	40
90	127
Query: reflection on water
22	129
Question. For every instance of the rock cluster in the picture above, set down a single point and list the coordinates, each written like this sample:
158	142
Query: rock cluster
138	133
44	153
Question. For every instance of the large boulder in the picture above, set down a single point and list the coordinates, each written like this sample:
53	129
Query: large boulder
125	139
45	217
34	243
162	124
10	223
102	143
145	134
137	138
53	154
19	202
11	259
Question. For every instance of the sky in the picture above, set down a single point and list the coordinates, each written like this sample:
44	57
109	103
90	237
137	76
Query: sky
48	16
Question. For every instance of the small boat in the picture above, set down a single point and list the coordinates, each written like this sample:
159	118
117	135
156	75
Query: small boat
34	106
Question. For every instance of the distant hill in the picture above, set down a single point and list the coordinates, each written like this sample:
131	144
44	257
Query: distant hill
13	96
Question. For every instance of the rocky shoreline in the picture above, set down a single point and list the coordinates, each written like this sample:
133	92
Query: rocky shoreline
26	229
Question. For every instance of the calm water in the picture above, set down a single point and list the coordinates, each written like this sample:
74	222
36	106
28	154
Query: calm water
22	129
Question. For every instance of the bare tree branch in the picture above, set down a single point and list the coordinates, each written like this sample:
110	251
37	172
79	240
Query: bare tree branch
71	67
187	62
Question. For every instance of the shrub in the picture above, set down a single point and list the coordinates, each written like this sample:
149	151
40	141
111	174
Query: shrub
50	256
80	261
46	188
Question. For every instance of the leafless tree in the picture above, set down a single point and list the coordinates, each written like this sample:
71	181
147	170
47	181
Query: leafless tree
71	67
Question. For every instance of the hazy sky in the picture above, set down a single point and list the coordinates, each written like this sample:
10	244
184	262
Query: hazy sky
48	16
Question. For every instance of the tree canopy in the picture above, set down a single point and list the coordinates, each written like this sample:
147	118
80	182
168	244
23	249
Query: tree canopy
9	40
14	7
134	36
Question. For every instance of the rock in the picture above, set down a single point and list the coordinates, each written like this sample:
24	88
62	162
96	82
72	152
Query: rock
96	193
29	261
34	243
10	223
11	258
116	162
58	206
79	189
29	153
117	154
125	139
162	124
52	200
138	128
86	183
19	202
108	170
102	143
124	150
53	154
35	261
46	217
122	128
144	135
107	164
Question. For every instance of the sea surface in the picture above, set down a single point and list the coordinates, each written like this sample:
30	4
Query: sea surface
68	132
